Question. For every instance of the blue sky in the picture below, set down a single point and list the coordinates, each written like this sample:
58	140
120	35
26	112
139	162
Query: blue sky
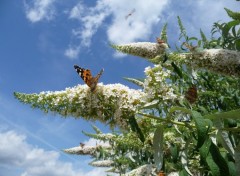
41	40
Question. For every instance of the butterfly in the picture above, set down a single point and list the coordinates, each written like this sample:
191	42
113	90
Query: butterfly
86	75
190	47
191	94
82	144
160	41
130	14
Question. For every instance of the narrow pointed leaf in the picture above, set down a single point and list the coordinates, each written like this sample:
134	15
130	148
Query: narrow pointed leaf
182	29
177	69
138	82
233	15
218	159
163	34
134	126
203	127
174	153
223	136
237	158
184	158
158	147
96	129
150	105
234	114
204	38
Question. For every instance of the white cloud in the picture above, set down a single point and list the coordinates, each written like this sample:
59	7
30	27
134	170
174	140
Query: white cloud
38	10
91	19
77	11
16	152
72	52
138	26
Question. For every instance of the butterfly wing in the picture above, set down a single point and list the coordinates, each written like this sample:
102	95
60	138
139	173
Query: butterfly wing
99	75
95	80
191	95
85	74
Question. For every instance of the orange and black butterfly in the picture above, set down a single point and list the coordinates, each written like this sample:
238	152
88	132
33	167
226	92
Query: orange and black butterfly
86	75
191	94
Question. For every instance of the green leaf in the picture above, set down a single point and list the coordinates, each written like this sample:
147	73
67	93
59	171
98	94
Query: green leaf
174	152
134	126
237	158
232	168
231	123
163	34
234	31
96	129
177	70
210	153
218	160
213	166
225	141
182	29
204	38
192	38
138	82
178	108
203	126
184	157
234	114
237	44
158	147
151	105
224	137
228	26
233	15
183	172
204	149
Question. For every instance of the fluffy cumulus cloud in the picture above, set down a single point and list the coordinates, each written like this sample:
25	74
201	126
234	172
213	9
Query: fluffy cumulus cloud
131	20
72	52
38	10
134	20
16	152
128	21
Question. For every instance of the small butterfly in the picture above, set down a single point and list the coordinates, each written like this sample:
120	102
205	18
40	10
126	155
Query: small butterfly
190	47
130	14
160	41
191	94
86	75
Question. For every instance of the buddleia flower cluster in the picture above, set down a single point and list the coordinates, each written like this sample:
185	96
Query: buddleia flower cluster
157	85
222	61
112	103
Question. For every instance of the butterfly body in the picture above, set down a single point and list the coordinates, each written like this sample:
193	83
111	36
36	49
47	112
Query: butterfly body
87	77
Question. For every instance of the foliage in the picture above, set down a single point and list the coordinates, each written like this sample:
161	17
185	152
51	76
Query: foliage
185	119
229	32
